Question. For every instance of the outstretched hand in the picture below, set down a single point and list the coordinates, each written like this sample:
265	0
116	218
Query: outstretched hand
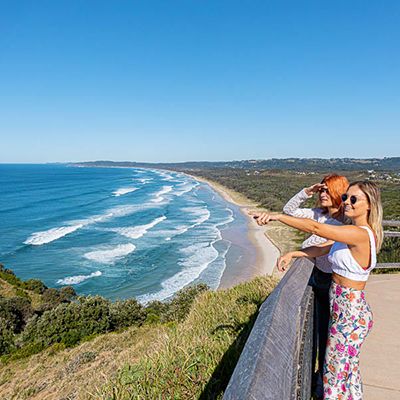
262	218
283	262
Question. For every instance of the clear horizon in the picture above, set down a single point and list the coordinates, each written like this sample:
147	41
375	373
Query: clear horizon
178	81
189	161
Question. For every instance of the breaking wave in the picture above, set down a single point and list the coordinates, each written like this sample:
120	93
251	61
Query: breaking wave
136	232
74	280
110	255
122	191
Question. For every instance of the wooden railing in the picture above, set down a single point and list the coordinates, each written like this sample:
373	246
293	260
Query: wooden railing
276	361
391	223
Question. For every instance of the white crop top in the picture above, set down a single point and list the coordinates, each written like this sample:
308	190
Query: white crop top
344	264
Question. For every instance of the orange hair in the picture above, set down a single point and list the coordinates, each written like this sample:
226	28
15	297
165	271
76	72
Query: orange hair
337	185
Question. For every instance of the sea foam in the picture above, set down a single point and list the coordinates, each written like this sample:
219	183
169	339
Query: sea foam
43	237
158	196
228	220
185	188
165	176
197	258
136	232
50	235
143	180
74	280
110	255
201	214
122	191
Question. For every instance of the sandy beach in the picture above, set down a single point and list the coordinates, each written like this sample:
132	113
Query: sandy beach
261	257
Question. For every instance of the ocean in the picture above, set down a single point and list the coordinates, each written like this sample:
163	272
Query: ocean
116	232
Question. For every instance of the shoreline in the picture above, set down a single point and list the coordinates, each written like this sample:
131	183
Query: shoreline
266	251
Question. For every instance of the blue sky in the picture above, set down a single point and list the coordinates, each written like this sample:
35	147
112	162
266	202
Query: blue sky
198	80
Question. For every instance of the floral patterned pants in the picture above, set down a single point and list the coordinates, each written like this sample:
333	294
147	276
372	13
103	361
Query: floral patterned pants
350	323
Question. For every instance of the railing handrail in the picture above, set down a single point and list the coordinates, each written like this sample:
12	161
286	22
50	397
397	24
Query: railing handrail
391	222
279	328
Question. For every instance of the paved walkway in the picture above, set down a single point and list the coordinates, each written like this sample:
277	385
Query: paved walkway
380	355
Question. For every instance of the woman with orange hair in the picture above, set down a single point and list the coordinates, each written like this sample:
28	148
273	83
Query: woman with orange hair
352	250
329	210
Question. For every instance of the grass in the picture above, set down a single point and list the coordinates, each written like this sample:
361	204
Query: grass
192	359
196	358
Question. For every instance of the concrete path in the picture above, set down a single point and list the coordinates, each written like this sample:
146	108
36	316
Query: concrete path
380	354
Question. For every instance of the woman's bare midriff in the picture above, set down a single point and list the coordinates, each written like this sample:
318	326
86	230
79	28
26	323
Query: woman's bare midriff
341	280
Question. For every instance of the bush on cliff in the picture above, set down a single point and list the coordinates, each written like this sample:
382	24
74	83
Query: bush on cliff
68	323
126	313
35	285
180	305
63	318
16	311
6	336
51	297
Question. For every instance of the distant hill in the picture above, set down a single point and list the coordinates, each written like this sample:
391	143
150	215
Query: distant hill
299	164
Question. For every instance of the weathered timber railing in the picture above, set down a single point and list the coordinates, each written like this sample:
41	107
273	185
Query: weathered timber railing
391	223
276	360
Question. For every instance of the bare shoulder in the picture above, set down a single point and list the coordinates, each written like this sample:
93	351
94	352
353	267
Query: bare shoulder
360	235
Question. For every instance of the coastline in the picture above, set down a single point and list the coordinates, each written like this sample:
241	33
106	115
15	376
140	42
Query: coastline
266	252
255	249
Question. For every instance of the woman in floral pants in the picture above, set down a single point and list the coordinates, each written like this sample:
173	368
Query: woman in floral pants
351	320
352	251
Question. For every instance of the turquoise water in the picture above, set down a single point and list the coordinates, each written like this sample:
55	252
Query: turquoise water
117	232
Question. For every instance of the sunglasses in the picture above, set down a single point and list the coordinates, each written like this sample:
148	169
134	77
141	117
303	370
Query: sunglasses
353	199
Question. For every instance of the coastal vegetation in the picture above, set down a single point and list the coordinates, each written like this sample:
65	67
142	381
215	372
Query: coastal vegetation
90	347
34	317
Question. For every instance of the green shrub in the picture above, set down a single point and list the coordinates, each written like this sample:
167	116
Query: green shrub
16	311
51	297
26	351
68	323
156	311
21	293
9	276
127	313
35	285
181	303
67	294
71	338
6	336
